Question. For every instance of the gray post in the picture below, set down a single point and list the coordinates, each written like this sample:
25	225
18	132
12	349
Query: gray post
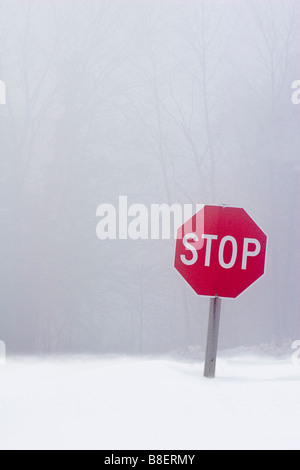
212	338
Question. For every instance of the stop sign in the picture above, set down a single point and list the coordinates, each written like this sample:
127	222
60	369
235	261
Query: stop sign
220	251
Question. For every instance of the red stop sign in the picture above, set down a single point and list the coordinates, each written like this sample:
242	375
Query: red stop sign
220	251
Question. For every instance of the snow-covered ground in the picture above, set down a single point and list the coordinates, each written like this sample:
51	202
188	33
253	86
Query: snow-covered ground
154	403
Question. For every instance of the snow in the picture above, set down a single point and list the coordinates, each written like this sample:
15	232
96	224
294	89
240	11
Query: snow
149	403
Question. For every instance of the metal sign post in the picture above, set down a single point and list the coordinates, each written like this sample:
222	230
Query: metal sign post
212	338
220	249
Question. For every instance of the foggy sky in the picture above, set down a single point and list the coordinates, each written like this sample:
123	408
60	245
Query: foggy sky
165	102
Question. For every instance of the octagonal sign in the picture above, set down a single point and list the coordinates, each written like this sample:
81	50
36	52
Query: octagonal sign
220	251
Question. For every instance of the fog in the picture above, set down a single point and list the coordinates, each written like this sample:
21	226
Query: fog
162	101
